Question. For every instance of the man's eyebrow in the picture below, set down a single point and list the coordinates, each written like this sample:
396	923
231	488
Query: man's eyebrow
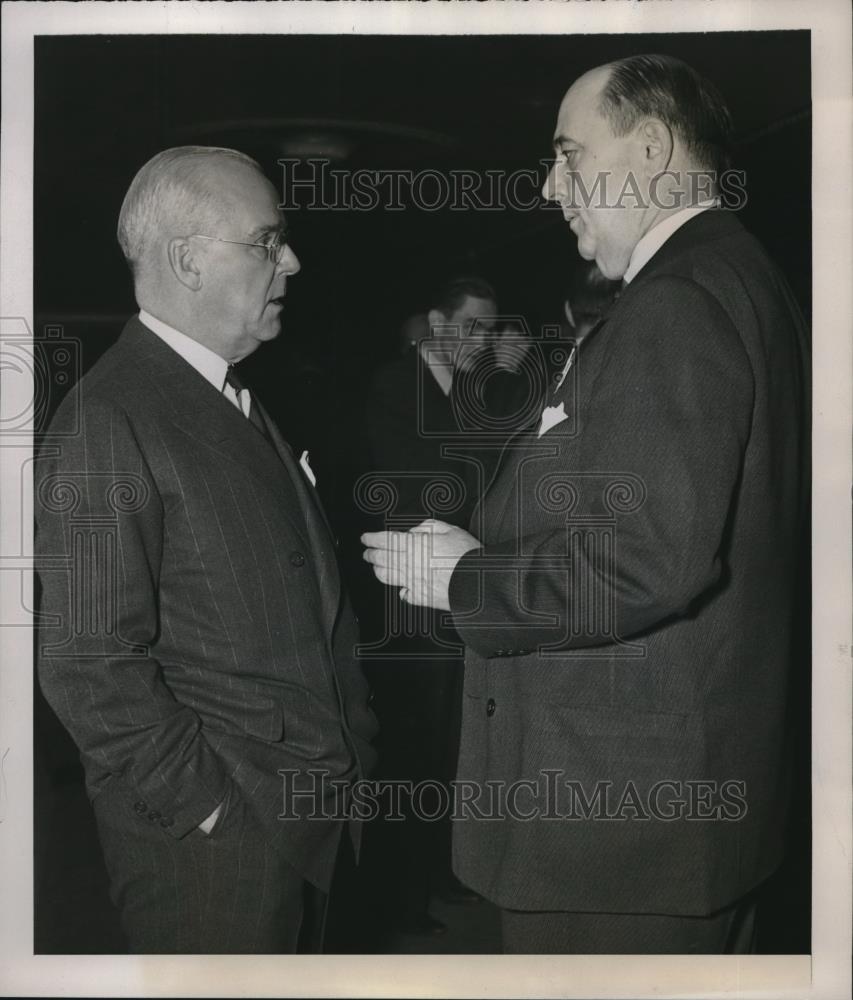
269	230
564	140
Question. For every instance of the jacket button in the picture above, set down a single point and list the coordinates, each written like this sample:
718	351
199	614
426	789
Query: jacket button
490	707
167	821
140	807
154	815
297	559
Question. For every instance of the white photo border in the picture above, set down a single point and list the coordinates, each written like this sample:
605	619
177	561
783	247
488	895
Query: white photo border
825	975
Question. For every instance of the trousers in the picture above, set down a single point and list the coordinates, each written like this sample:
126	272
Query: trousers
227	892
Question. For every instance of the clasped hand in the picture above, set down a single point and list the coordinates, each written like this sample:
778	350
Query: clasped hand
420	562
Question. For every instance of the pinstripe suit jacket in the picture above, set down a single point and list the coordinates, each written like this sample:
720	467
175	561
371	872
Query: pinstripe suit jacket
629	619
196	638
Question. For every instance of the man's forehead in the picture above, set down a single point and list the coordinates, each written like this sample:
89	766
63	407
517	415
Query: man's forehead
248	197
579	107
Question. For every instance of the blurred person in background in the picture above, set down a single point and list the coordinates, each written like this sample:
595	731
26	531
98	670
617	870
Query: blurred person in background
411	422
589	297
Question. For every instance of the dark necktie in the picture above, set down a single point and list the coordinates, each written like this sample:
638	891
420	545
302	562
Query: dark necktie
255	418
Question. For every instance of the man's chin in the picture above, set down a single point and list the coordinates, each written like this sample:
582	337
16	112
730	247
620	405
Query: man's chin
270	330
612	270
586	247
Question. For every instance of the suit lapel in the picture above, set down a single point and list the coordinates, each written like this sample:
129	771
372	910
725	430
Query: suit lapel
526	440
320	533
285	453
202	413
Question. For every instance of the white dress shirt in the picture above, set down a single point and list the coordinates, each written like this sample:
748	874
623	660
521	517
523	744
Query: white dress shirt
213	368
206	362
659	234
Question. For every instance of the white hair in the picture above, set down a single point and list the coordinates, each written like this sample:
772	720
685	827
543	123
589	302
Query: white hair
170	193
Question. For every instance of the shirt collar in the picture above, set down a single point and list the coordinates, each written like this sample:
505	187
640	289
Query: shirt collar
659	234
205	361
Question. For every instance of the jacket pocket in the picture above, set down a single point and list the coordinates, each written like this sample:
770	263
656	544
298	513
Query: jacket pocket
262	721
637	737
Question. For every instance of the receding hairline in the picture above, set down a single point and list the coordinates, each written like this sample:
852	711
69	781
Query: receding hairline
214	170
231	194
220	159
583	81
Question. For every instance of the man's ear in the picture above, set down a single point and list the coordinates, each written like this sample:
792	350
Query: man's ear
183	263
657	144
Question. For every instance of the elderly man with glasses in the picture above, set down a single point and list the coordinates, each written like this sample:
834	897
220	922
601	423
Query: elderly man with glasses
201	647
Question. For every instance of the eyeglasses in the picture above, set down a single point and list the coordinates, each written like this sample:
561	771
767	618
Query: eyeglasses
275	250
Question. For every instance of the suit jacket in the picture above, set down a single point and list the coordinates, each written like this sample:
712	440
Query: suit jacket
197	641
629	618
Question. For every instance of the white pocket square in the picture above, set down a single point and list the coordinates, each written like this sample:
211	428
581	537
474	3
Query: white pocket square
306	468
551	416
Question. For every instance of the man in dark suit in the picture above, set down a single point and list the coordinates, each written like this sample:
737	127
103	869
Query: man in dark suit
201	649
628	611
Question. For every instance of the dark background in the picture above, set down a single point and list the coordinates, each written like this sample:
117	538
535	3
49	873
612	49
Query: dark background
104	105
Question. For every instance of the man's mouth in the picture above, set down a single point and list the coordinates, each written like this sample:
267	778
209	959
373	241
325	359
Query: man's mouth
278	300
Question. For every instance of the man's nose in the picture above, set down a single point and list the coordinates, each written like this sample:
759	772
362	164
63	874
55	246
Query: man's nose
555	188
289	263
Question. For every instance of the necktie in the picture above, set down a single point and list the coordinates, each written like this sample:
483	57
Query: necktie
255	418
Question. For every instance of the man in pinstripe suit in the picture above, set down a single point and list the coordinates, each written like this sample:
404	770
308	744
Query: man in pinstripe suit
197	644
